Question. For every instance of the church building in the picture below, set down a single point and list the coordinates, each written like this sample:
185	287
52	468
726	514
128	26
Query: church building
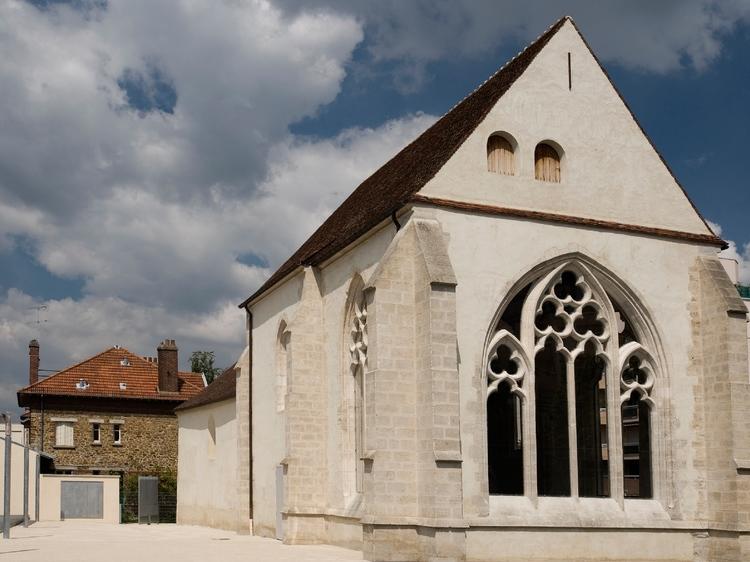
513	341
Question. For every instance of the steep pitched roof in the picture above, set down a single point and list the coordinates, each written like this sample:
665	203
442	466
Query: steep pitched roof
391	186
221	388
397	182
104	373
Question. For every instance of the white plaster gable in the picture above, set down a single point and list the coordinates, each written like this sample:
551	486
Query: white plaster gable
610	171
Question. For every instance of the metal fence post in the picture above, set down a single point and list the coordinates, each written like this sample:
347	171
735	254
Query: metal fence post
36	486
26	485
6	477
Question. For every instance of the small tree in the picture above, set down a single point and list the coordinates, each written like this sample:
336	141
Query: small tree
203	362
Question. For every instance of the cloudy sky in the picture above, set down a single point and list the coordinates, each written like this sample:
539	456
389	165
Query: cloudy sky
159	158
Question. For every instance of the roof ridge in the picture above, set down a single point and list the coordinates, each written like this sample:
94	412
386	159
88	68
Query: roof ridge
66	369
509	61
393	184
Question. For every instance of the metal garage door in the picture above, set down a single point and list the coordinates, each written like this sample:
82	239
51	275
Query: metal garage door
81	500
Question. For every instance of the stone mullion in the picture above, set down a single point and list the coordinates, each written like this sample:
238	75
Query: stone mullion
615	453
529	435
572	434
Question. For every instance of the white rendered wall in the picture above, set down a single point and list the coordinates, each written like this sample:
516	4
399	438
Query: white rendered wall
609	170
206	475
50	488
16	472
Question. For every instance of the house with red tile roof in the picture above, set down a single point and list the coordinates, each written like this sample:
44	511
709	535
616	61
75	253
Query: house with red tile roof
111	413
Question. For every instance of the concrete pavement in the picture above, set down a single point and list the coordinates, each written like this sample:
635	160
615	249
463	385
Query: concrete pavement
79	541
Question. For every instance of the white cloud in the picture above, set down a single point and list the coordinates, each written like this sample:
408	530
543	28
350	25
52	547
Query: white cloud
642	34
163	269
741	254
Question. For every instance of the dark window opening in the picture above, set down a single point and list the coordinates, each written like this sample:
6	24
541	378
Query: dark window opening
553	456
636	447
504	442
625	332
511	318
591	424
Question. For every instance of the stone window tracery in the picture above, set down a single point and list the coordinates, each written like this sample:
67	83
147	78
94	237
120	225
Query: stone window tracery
358	350
352	404
568	394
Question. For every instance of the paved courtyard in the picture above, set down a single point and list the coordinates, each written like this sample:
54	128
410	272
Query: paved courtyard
77	541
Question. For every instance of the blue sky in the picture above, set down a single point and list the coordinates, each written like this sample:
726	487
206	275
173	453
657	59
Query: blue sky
159	158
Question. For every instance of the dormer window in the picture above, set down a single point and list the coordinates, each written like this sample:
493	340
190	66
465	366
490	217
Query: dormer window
123	386
501	155
547	162
124	362
82	384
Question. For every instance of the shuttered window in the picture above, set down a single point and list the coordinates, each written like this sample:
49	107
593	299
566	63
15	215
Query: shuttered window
500	156
64	434
546	163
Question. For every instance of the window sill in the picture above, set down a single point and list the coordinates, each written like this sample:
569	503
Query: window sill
96	444
63	446
572	512
117	444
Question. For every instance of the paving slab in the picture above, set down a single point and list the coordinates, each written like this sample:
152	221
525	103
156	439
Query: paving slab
85	541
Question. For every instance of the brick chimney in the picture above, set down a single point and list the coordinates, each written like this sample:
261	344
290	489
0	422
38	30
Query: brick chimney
33	361
167	365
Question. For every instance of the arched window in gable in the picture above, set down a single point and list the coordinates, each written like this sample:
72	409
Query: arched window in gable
501	155
547	163
571	363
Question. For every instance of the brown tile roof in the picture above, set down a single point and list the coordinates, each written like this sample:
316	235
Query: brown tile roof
104	373
223	387
394	185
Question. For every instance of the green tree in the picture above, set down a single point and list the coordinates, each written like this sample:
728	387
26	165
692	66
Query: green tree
203	362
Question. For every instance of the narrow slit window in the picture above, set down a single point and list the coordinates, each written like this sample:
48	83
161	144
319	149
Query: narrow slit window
500	157
96	433
546	163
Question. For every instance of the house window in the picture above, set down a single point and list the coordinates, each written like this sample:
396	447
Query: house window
117	434
500	157
96	433
64	434
546	163
561	351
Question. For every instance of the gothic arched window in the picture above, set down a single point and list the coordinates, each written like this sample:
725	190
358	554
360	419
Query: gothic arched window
352	388
568	393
